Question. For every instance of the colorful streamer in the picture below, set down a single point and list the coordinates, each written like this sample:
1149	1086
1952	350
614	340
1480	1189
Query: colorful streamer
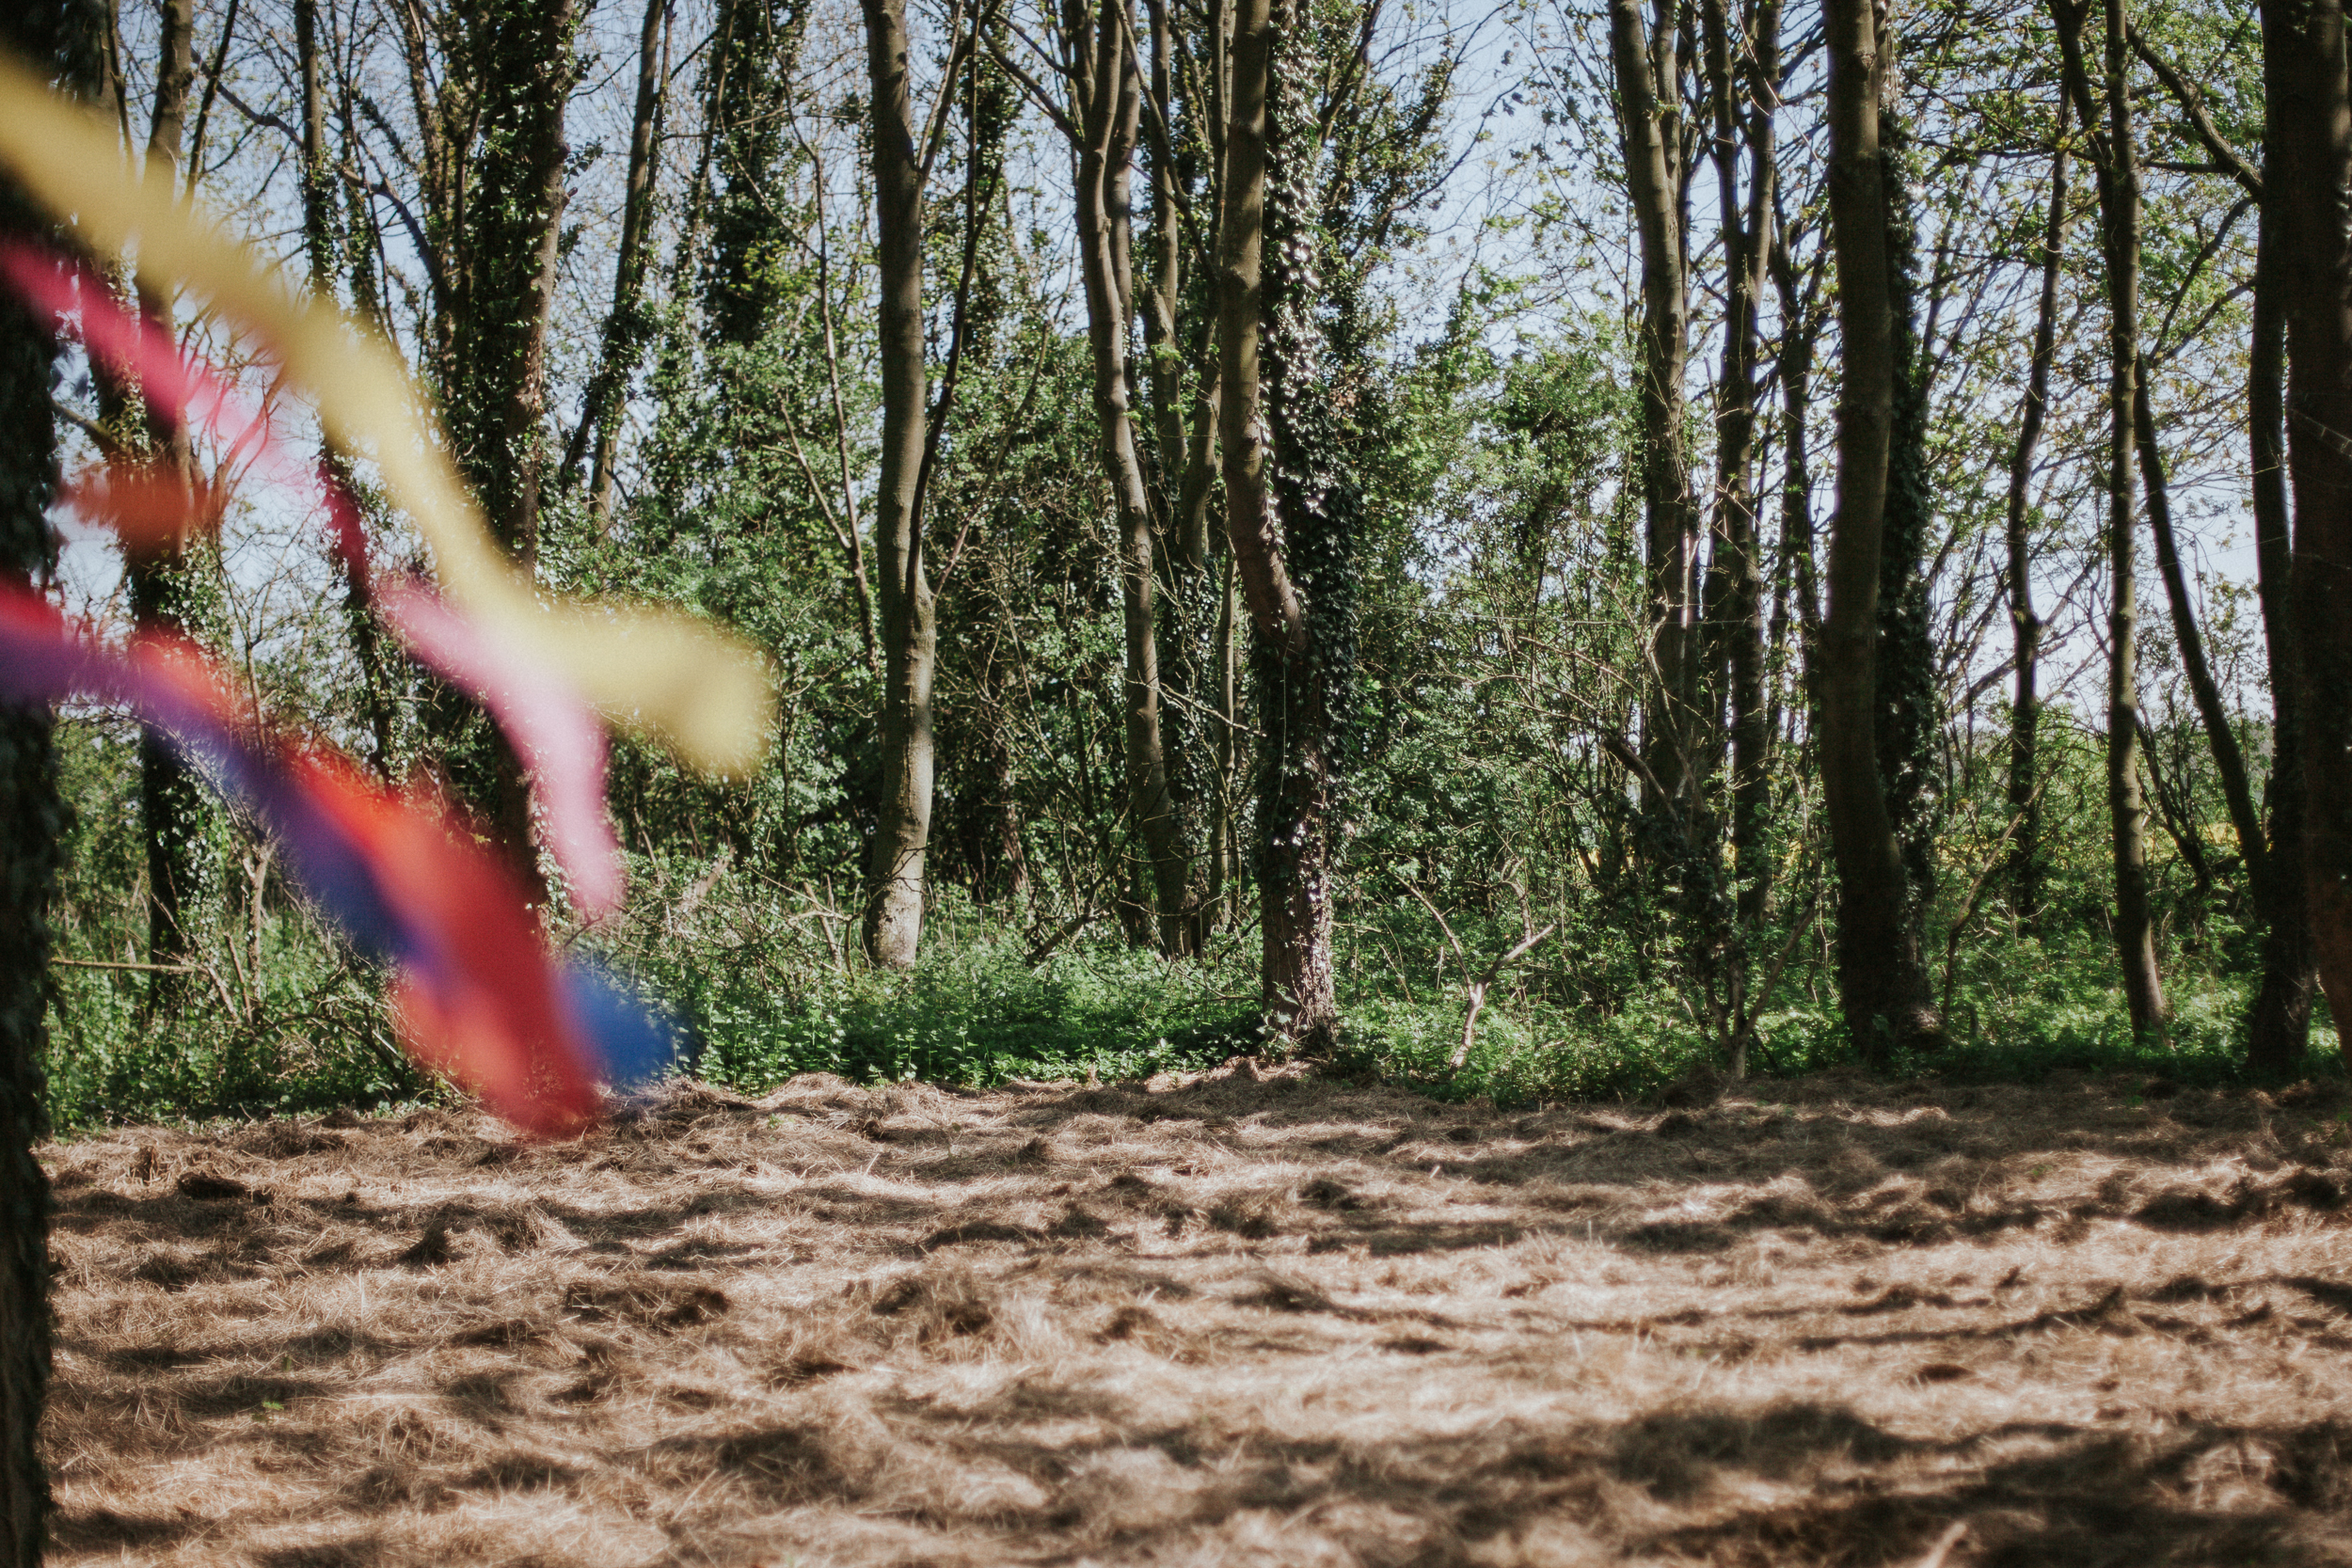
476	996
701	691
552	727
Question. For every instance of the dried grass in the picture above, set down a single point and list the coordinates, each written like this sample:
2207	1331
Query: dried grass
1221	1320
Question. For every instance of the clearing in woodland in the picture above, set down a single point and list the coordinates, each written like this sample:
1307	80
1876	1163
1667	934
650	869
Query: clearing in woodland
1227	1317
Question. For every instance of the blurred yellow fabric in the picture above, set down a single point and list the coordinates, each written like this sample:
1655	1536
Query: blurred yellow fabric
699	689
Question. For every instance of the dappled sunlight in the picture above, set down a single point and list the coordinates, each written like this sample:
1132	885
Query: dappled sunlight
1231	1317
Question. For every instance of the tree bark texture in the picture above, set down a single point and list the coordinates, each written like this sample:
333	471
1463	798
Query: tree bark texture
2303	48
33	818
1648	97
2279	1025
1107	94
501	270
1735	606
1882	989
163	576
1292	636
628	325
2025	868
2117	165
902	815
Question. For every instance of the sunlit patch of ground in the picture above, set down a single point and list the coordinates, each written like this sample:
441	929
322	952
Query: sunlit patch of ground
1221	1320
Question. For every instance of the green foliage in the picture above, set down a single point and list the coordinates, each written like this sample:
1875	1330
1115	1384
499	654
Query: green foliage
1460	501
972	1012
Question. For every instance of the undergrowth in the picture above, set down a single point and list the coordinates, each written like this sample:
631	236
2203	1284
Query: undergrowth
311	1032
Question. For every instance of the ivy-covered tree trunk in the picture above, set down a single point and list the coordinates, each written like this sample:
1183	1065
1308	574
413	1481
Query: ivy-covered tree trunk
1907	718
1299	651
1882	989
503	296
164	578
32	822
902	818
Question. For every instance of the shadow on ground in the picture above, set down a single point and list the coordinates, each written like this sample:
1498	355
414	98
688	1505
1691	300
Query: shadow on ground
1240	1317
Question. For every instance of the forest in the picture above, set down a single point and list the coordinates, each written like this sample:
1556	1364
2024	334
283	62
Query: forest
1385	584
1453	670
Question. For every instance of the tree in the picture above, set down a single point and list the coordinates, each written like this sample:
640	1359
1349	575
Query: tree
1105	111
2025	782
2118	166
1882	985
323	260
2279	1028
32	819
165	576
1297	769
1735	599
628	325
519	58
902	818
1649	87
2310	115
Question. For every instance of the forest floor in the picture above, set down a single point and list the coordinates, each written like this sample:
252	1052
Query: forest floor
1221	1319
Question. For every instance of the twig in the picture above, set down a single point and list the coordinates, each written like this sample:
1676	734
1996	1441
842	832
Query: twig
1478	997
1451	941
1071	927
228	1003
1944	1544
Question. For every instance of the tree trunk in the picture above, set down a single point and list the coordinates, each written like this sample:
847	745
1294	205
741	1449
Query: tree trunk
1800	329
1109	98
1164	345
1297	984
162	577
33	819
1882	989
2229	758
2279	1025
902	818
503	296
1736	608
2119	209
1906	673
629	322
1648	94
1275	607
319	193
2025	628
2304	80
514	210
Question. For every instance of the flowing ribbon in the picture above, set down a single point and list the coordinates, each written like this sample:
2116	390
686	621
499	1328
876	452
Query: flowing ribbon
701	691
475	994
551	726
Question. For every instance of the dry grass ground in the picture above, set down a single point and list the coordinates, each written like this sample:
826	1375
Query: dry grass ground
1223	1320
